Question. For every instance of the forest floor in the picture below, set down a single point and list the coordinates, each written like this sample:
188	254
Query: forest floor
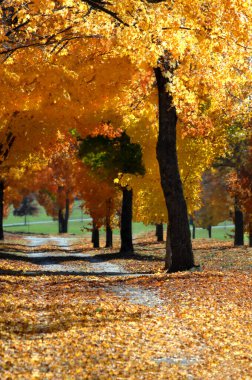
70	312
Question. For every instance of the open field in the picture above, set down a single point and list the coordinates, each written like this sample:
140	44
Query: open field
79	224
69	312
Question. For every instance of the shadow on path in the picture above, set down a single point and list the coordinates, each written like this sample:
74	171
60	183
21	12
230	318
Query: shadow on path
17	273
43	258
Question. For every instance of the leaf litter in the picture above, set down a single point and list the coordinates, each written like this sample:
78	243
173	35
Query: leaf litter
191	325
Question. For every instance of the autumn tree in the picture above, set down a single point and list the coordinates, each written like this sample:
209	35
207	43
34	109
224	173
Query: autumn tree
216	201
28	206
100	202
199	54
240	184
115	157
60	181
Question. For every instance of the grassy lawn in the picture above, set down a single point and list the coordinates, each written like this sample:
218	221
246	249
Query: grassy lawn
223	232
76	213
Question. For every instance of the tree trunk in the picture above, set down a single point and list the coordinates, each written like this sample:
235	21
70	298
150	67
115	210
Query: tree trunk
109	236
168	253
66	217
61	221
126	221
160	232
209	229
191	222
180	237
250	234
95	236
193	231
239	225
109	232
1	209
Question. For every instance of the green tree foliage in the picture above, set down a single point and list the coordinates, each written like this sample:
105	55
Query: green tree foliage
112	156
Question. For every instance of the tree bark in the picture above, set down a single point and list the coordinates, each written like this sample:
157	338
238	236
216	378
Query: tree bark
180	237
168	253
250	234
160	232
209	229
109	237
66	216
95	236
126	222
109	232
63	219
191	222
1	209
193	231
239	224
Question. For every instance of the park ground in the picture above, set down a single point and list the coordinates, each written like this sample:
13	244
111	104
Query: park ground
70	312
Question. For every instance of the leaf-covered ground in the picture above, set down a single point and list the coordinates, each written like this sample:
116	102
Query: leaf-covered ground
87	325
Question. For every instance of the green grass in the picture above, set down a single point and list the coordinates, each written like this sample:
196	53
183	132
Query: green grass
217	233
51	227
78	227
45	228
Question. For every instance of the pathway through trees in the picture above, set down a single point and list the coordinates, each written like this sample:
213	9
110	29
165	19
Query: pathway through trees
48	262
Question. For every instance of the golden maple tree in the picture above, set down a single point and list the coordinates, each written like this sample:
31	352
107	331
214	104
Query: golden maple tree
199	51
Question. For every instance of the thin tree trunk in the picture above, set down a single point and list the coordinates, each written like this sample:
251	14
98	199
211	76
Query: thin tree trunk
1	209
95	236
61	221
109	236
126	221
109	232
66	217
193	231
250	234
160	232
209	229
180	237
191	222
239	224
168	253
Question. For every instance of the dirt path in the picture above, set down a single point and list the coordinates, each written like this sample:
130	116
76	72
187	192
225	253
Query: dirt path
35	241
96	267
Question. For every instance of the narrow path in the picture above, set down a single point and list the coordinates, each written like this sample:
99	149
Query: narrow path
50	263
34	241
135	295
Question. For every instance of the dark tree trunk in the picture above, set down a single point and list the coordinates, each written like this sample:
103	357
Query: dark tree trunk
191	221
126	221
1	209
239	225
95	236
63	219
209	229
109	236
109	232
160	232
193	231
250	234
66	216
168	254
180	237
